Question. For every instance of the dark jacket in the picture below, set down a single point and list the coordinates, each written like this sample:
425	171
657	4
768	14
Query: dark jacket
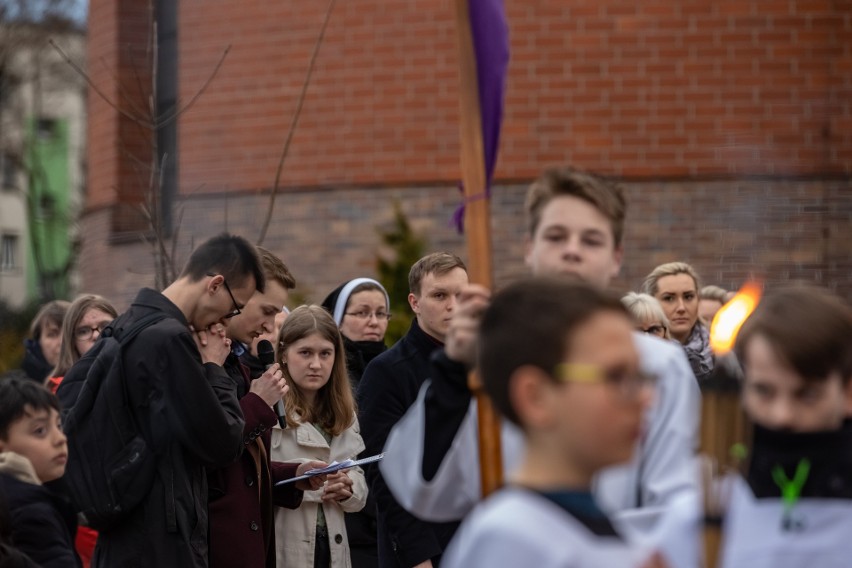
188	412
242	532
388	388
361	527
35	365
43	525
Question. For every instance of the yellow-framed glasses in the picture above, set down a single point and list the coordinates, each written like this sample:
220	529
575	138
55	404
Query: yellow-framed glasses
629	385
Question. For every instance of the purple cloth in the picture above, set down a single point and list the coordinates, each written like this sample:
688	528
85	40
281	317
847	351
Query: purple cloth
490	33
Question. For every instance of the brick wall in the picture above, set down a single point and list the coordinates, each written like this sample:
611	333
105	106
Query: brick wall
778	231
731	120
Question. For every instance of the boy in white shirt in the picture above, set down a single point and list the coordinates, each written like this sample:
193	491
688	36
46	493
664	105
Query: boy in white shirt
794	506
558	360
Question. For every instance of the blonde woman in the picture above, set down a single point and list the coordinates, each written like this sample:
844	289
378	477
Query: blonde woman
675	285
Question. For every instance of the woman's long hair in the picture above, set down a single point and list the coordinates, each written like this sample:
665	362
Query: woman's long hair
334	405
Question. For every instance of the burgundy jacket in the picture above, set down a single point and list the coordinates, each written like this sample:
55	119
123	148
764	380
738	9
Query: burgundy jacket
241	495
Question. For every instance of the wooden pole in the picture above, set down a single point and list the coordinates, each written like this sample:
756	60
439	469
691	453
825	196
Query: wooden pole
477	222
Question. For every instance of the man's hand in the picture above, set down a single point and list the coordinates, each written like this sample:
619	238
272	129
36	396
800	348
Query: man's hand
311	483
338	486
424	564
271	386
213	345
464	327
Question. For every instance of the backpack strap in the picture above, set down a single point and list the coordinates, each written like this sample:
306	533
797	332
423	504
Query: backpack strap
125	336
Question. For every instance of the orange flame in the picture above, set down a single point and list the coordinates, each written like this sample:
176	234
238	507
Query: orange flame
731	317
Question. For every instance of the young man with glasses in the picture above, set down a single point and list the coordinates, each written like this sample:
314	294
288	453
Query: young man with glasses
575	224
184	403
389	386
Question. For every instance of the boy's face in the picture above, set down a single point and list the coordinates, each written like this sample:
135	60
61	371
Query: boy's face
573	237
777	397
38	436
257	317
435	305
596	411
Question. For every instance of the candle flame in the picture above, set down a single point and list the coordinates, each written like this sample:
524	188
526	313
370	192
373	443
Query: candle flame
731	317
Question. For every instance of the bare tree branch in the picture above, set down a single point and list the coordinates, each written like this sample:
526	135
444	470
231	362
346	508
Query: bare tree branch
295	121
95	88
186	107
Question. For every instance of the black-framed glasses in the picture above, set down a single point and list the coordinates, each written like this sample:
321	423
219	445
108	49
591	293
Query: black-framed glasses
236	311
655	329
86	332
628	385
365	315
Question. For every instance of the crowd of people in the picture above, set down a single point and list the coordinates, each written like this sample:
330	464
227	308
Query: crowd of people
231	407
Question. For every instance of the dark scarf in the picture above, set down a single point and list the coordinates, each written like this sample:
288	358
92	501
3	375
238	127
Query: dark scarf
829	453
358	356
35	365
698	352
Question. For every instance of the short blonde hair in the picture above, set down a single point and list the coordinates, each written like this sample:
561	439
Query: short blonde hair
644	307
712	292
649	286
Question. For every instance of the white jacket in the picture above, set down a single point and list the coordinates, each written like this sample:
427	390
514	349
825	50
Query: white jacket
518	527
295	530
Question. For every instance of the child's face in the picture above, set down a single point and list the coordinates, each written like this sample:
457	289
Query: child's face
309	362
38	436
777	397
600	419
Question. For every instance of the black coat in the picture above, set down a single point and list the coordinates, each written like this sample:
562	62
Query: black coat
189	413
388	388
43	525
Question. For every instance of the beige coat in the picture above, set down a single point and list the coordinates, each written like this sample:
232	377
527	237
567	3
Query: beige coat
295	530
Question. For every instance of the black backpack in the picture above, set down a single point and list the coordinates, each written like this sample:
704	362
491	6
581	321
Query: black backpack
111	467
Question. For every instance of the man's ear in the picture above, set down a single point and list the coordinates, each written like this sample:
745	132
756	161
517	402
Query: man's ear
213	284
618	258
413	302
530	396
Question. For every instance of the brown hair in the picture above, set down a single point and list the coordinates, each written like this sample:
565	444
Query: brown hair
334	407
809	329
52	312
275	269
649	286
68	354
605	195
509	338
436	263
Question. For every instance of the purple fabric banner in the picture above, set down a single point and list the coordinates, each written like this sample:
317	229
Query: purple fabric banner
490	33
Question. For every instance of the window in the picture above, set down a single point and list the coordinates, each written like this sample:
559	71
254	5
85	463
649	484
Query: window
7	171
8	252
45	127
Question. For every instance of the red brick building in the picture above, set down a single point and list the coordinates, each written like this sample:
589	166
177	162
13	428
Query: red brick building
730	122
